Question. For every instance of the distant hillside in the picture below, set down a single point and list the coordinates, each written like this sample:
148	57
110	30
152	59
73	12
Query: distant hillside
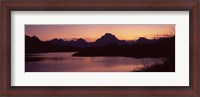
107	45
80	43
35	45
106	39
164	48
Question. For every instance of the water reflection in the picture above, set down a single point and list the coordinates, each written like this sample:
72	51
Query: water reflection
64	62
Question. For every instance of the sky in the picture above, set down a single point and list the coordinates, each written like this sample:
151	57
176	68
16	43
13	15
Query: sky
91	32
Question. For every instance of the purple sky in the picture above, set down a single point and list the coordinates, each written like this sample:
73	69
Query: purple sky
91	32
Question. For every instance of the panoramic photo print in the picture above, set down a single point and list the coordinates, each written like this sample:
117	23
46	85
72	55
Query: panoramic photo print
100	48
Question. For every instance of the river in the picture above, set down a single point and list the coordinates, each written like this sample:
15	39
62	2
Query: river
65	62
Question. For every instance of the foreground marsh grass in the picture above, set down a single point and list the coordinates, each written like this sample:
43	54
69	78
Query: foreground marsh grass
167	65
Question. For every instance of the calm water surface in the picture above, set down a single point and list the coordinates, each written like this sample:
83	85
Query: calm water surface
64	62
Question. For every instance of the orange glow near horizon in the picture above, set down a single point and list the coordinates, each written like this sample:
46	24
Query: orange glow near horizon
91	32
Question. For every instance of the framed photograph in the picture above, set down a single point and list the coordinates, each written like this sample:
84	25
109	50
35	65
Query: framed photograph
139	48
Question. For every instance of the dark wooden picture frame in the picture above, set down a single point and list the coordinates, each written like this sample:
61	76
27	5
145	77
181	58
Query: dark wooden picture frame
193	90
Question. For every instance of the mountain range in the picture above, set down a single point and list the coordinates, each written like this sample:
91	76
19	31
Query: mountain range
106	45
104	40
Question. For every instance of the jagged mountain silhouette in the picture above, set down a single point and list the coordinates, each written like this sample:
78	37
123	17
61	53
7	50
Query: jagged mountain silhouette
106	39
